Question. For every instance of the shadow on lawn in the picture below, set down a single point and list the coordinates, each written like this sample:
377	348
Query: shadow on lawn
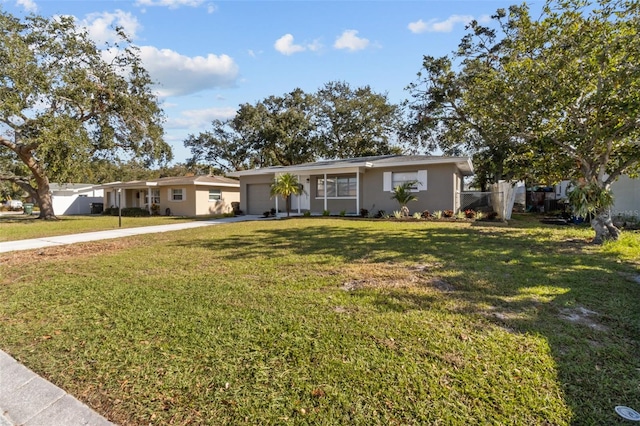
581	300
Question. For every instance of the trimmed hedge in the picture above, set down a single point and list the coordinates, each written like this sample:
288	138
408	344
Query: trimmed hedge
127	211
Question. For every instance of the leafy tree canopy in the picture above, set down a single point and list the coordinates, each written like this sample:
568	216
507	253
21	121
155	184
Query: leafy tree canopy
336	122
541	99
63	105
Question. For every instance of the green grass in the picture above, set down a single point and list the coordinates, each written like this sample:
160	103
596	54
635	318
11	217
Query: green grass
20	227
331	321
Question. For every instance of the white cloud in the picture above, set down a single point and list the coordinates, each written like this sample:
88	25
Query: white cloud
199	118
286	46
171	4
211	8
435	26
349	40
180	75
101	26
28	5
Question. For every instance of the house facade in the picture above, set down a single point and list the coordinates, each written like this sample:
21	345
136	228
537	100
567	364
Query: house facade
74	198
177	196
350	185
626	197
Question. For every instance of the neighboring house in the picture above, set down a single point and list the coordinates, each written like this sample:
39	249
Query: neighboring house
180	196
74	198
625	190
360	183
626	197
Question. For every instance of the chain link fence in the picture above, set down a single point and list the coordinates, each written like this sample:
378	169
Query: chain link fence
480	201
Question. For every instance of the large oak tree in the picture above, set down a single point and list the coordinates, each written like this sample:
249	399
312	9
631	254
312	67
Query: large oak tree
544	99
279	130
335	122
65	103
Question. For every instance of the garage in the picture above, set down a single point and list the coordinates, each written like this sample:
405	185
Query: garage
258	198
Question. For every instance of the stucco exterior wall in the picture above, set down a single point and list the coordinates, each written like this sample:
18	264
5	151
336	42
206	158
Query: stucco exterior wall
206	207
440	193
245	201
626	193
334	205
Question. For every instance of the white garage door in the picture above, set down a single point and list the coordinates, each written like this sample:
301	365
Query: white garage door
258	198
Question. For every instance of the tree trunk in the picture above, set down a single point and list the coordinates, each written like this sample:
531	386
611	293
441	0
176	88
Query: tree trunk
604	227
45	202
288	204
41	193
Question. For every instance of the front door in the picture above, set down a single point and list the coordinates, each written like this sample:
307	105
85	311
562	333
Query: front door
302	201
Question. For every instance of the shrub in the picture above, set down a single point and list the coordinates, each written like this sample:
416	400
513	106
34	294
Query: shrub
447	213
398	214
417	215
381	213
273	212
126	211
266	213
306	214
460	215
326	213
469	213
426	214
364	212
492	215
343	213
437	214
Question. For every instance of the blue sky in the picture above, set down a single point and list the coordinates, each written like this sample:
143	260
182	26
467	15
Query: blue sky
210	57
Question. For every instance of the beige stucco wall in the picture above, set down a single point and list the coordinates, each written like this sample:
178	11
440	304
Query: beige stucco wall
206	207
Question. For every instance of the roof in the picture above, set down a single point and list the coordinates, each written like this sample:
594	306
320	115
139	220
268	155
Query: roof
71	187
175	181
463	163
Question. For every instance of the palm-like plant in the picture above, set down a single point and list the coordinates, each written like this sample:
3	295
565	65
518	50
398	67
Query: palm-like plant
286	185
402	194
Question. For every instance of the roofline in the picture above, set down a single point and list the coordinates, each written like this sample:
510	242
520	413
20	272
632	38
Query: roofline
340	165
153	184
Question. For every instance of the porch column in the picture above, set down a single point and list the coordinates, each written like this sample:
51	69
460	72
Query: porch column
298	196
277	212
325	191
357	192
149	199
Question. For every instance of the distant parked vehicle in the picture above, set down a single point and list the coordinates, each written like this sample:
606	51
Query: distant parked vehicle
14	204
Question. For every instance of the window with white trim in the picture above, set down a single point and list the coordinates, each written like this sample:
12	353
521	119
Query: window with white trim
390	180
177	194
400	178
155	196
337	187
215	195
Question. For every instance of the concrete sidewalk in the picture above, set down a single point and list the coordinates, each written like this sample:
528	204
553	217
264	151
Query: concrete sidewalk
26	399
35	243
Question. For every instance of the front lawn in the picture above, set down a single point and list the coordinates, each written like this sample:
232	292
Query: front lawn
334	321
21	227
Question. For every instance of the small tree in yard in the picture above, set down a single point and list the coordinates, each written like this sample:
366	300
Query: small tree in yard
589	199
402	194
286	185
